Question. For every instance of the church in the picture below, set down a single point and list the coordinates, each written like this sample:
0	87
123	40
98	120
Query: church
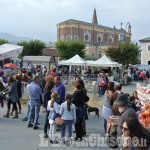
96	37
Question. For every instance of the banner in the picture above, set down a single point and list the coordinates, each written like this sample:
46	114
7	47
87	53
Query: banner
143	92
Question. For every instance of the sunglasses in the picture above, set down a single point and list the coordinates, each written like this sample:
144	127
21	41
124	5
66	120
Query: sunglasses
124	129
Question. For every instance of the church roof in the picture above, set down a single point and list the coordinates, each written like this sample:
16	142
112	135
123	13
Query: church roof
145	40
89	24
94	19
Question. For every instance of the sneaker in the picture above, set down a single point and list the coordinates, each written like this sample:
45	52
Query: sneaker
45	135
25	119
30	125
36	127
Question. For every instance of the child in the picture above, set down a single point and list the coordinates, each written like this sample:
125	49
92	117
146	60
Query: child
53	108
68	114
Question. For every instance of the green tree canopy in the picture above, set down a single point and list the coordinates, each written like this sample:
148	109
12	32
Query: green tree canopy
126	53
3	41
67	49
32	48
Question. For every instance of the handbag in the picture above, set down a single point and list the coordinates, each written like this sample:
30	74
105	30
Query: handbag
59	121
102	83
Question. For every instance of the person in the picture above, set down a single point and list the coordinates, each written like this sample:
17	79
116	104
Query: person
131	128
68	114
11	90
30	80
85	99
138	102
78	101
19	91
132	102
47	96
107	108
101	85
118	88
35	94
53	109
60	89
125	111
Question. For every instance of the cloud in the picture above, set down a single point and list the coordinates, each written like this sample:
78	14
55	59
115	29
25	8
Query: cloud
38	18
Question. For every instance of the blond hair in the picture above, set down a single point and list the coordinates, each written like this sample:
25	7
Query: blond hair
54	96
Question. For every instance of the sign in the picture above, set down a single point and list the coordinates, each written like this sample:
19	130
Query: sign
143	92
121	37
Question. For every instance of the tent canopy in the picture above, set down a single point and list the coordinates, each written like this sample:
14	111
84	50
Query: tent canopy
9	50
104	61
75	60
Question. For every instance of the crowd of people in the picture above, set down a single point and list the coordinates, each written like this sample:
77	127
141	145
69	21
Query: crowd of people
45	88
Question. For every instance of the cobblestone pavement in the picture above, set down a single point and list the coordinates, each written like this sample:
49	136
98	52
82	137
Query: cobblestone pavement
15	135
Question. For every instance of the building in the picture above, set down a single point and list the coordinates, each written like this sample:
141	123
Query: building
96	36
145	53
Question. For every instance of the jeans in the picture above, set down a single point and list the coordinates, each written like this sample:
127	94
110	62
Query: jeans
105	125
69	124
35	106
101	91
46	122
28	109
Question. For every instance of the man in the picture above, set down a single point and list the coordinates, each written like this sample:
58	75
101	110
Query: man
29	74
60	89
35	94
125	111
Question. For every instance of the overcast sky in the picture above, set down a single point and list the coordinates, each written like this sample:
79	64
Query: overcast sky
38	18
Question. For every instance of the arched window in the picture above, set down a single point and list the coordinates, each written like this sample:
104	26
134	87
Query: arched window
68	37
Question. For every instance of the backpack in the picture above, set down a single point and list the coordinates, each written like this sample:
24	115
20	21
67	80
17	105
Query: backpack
111	140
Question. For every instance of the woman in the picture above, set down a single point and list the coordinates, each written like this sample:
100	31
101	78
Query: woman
11	90
78	100
85	99
101	84
68	114
19	91
132	128
47	96
107	108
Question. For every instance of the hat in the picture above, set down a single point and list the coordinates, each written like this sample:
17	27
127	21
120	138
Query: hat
122	100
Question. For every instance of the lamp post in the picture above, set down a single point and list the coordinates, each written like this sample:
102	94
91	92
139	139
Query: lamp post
100	48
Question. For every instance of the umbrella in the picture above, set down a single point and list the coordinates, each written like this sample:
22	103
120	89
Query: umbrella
9	65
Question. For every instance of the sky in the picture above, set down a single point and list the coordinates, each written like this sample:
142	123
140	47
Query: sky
37	19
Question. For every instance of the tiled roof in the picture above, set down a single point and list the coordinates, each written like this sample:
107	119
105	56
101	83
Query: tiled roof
50	52
89	24
145	40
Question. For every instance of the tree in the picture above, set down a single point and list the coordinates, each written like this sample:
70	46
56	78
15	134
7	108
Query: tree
32	48
3	41
126	53
67	49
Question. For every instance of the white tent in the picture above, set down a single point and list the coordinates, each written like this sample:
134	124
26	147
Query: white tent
75	60
103	62
9	50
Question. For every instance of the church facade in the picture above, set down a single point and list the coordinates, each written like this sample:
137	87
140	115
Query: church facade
96	37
